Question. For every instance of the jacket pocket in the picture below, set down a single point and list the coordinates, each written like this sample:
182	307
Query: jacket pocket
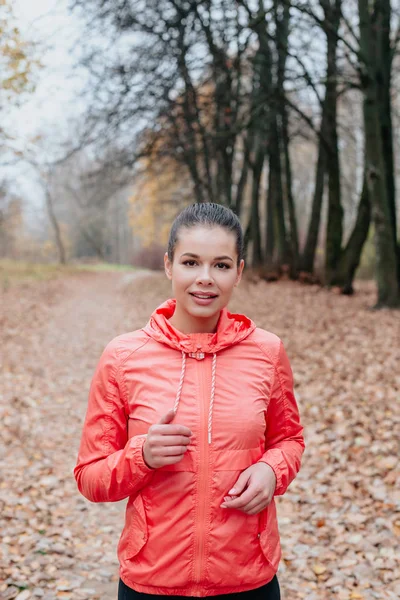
269	535
135	533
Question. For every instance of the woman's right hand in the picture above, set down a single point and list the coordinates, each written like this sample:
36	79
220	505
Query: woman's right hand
165	444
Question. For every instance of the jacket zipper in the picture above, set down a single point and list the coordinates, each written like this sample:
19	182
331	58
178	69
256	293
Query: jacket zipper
203	487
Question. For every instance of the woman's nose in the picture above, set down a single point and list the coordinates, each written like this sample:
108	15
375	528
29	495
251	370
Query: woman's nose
204	277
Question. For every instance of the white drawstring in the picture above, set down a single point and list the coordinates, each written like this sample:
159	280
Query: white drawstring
179	392
210	412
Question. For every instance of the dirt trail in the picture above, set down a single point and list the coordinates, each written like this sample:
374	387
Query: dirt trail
340	520
54	333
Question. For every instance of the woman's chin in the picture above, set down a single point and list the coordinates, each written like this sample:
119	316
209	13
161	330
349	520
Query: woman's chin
203	311
206	312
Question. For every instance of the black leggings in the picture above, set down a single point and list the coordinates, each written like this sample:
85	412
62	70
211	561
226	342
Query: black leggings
269	591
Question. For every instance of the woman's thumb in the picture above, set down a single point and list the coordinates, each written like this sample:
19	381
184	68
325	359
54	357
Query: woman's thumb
167	418
239	485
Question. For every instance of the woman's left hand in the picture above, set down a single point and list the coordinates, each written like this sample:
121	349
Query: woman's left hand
253	490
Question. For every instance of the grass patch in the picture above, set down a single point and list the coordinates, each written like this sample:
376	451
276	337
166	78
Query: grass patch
105	267
19	271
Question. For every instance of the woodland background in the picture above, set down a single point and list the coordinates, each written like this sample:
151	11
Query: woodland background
287	111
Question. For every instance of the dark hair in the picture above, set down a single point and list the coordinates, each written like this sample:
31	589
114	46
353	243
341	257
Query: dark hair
206	214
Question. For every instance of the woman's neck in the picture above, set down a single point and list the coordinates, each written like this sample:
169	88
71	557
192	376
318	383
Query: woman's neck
186	323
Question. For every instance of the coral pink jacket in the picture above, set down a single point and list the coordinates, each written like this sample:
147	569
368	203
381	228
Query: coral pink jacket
234	390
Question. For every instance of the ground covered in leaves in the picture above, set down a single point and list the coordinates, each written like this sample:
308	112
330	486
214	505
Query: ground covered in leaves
340	519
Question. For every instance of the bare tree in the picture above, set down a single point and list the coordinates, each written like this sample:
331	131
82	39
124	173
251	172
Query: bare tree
223	88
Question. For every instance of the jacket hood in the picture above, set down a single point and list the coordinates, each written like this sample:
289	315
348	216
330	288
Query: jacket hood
231	329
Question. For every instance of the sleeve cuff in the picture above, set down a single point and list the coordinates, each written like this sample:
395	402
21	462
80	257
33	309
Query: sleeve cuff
136	446
274	459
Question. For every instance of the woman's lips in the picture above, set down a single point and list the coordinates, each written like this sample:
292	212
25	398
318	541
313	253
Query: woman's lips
203	301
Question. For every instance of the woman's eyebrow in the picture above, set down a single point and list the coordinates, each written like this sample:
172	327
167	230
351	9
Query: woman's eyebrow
223	258
197	256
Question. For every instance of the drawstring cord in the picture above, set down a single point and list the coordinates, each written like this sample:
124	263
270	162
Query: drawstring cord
210	412
178	393
213	377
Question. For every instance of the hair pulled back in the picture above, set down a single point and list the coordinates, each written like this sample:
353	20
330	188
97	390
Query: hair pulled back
206	214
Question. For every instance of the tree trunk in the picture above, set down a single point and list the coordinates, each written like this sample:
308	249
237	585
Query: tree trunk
93	243
271	225
294	236
247	238
275	208
255	213
243	179
351	255
282	19
56	227
190	117
308	256
386	259
334	231
264	100
384	95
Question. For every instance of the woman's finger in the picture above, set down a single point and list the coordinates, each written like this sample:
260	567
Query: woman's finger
169	451
162	461
257	509
257	504
247	496
169	440
258	499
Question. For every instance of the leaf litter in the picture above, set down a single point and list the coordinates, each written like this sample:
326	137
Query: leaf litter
340	519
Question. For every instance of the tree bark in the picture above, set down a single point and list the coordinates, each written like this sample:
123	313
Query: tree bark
334	230
255	213
308	256
247	238
351	255
243	178
386	259
282	19
271	225
57	231
275	207
288	195
384	74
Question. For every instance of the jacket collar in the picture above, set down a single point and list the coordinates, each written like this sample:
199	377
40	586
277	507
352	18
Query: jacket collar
231	329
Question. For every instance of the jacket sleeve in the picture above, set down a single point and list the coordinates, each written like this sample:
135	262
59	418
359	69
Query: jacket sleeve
284	441
109	466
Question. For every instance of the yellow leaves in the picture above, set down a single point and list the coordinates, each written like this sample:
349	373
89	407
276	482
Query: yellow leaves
160	191
356	596
16	64
319	569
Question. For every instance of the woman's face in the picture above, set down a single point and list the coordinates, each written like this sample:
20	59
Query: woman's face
203	274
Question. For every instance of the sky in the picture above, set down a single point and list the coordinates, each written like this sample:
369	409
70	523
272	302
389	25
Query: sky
54	28
47	112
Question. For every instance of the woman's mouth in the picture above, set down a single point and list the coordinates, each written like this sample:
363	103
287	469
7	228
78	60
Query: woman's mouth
203	299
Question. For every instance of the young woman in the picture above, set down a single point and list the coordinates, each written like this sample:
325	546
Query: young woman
194	420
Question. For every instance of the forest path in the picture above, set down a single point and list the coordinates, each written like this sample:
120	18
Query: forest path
339	521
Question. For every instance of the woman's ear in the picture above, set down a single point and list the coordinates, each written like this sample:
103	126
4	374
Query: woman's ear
239	272
167	266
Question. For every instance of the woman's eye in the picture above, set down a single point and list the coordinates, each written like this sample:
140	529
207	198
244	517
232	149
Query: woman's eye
192	263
